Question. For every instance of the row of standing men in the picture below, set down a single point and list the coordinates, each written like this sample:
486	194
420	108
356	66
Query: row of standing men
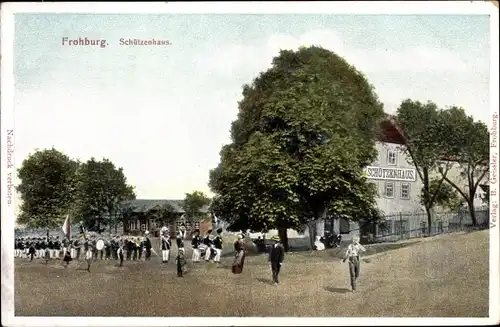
54	248
209	247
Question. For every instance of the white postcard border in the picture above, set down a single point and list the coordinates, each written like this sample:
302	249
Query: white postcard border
494	229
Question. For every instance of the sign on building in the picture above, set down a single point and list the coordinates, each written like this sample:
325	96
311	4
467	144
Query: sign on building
391	173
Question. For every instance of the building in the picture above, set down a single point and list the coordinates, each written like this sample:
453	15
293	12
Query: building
145	216
398	181
399	187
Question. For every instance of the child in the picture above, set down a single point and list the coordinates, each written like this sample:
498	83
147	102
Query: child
180	261
352	253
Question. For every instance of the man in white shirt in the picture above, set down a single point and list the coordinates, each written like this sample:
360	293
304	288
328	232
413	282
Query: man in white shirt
352	253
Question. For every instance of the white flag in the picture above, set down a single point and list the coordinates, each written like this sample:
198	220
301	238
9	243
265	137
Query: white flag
66	228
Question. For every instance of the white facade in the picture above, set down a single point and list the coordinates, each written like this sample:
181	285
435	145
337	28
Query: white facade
397	180
399	185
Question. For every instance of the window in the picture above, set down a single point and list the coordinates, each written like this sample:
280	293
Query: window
392	158
344	226
405	191
133	224
181	221
389	189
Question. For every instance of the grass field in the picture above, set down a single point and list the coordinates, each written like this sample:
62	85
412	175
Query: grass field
444	276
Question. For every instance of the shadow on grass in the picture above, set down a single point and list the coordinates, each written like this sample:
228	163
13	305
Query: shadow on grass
265	281
338	253
385	247
336	290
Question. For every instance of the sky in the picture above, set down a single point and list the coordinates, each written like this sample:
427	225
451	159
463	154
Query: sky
164	112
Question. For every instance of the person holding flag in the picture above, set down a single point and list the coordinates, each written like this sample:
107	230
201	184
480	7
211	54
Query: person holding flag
66	228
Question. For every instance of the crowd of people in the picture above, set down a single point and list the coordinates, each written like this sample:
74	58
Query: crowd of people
91	247
77	246
115	247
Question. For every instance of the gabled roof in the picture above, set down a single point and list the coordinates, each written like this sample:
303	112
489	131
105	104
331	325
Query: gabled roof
144	205
390	132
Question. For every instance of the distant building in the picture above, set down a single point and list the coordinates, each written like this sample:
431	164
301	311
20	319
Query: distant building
145	217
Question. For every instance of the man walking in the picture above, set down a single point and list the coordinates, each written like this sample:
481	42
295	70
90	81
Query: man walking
352	253
147	245
276	256
218	245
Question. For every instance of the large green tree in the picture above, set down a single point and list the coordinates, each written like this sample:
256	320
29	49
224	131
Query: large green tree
426	144
305	130
47	188
123	211
166	215
101	189
194	203
470	150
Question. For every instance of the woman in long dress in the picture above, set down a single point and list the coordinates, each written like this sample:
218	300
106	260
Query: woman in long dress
239	260
67	255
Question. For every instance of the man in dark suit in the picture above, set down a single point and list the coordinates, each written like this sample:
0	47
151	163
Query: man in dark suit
147	245
276	256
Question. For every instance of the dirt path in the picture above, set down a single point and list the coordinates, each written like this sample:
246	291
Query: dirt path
446	276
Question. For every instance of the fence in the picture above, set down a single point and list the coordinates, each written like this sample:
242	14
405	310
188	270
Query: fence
406	226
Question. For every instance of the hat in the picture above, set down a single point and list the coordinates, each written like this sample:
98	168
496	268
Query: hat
146	232
275	238
355	238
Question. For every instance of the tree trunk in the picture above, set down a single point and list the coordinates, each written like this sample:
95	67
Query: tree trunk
311	234
429	220
320	227
472	212
282	232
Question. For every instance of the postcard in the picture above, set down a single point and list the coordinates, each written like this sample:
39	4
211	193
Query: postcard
249	163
